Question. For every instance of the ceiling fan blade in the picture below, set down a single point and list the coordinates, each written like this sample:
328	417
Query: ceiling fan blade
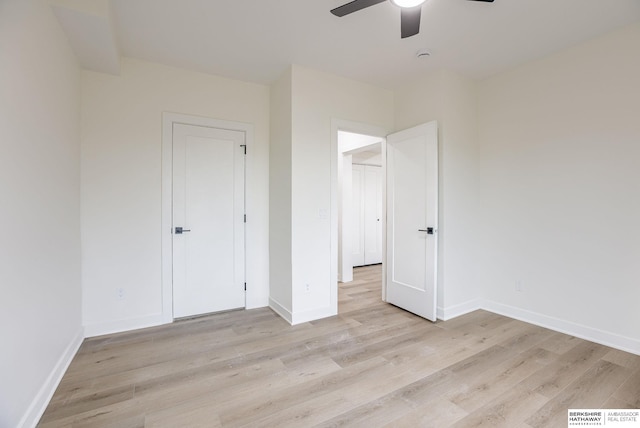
410	21
354	6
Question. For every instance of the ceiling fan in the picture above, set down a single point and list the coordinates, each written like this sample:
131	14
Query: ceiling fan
410	12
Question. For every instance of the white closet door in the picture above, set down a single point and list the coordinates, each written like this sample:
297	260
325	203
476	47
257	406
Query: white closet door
208	220
367	215
372	219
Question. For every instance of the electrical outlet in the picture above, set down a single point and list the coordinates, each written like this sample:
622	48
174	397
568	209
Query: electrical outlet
519	286
307	288
120	293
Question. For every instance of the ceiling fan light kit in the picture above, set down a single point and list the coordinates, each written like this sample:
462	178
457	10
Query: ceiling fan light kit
407	3
410	13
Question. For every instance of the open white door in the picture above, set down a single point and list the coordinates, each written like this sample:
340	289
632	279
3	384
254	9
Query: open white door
208	220
412	219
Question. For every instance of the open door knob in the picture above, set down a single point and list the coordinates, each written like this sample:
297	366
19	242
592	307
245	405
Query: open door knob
179	230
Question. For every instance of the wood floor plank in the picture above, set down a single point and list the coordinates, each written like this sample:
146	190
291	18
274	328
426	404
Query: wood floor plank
254	407
438	413
243	392
418	334
629	392
351	404
559	343
488	385
107	416
372	365
624	359
508	410
590	391
91	402
198	417
571	365
378	402
614	403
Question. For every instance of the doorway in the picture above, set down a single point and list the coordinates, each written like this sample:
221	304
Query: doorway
361	202
409	217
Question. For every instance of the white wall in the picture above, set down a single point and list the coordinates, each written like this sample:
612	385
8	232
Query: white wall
451	100
317	98
121	184
40	308
560	180
280	293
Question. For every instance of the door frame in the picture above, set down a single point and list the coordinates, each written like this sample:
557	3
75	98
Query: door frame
358	128
168	120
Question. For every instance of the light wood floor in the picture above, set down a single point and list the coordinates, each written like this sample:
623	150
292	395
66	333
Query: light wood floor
374	365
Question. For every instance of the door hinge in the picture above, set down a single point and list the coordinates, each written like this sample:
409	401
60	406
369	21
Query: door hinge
245	286
245	218
244	146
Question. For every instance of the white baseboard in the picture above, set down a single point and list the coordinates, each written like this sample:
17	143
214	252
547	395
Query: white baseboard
280	310
450	312
42	398
300	317
578	330
118	326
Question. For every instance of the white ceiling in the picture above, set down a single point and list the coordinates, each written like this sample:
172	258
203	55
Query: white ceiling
256	40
